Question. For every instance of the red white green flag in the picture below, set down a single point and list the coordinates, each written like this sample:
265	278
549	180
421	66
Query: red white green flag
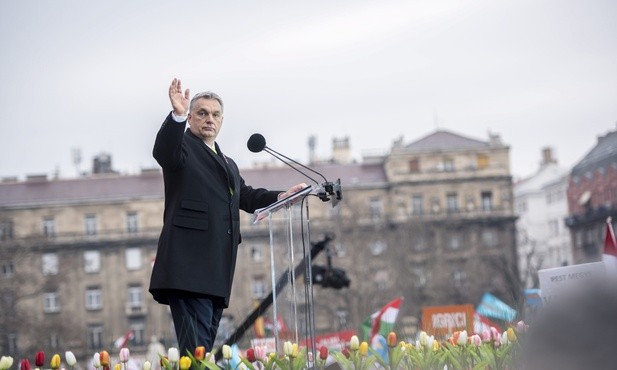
610	245
382	321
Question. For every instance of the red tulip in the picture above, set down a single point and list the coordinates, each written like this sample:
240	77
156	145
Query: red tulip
345	352
104	358
250	355
200	353
323	352
39	359
25	364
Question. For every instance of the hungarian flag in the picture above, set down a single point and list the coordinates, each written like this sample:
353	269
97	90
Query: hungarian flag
610	246
382	321
122	341
609	256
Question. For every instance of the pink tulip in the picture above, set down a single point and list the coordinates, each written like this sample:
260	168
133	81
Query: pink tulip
495	334
260	352
124	355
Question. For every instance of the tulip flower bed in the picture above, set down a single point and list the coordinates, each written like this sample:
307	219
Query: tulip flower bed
491	350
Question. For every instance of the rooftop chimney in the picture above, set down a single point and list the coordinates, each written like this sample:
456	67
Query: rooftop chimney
341	152
102	164
547	156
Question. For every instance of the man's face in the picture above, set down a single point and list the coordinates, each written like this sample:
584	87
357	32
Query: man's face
206	119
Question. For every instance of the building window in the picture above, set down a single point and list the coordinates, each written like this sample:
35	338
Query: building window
452	202
50	264
138	327
258	287
421	278
482	161
49	227
95	336
135	296
375	208
12	343
435	208
54	340
342	316
6	230
553	227
454	241
414	165
459	278
521	206
401	211
487	200
132	222
489	238
94	298
133	258
381	279
378	247
257	253
92	261
90	224
417	204
418	242
448	165
8	269
340	250
51	302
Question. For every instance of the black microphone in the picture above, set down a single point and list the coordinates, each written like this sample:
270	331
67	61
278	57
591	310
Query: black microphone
257	143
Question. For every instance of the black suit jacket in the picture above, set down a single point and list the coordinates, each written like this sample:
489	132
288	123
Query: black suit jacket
201	224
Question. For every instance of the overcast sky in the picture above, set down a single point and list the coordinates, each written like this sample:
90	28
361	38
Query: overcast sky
94	75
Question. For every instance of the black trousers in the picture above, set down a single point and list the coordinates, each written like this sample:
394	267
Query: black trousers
196	320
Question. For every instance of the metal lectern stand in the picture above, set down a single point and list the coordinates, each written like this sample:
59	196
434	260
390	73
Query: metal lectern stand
292	308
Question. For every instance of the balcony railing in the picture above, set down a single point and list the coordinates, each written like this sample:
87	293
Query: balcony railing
133	309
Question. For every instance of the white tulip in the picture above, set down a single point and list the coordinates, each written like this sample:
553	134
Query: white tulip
173	355
70	358
6	362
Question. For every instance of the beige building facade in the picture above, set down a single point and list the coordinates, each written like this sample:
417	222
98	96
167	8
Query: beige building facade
431	221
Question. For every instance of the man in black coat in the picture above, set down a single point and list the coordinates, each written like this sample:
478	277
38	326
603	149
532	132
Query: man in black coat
196	257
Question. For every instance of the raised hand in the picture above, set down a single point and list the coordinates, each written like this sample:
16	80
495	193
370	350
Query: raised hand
179	100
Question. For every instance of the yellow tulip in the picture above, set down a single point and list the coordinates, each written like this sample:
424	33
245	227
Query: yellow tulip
185	363
117	367
435	345
363	348
511	335
55	361
294	350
